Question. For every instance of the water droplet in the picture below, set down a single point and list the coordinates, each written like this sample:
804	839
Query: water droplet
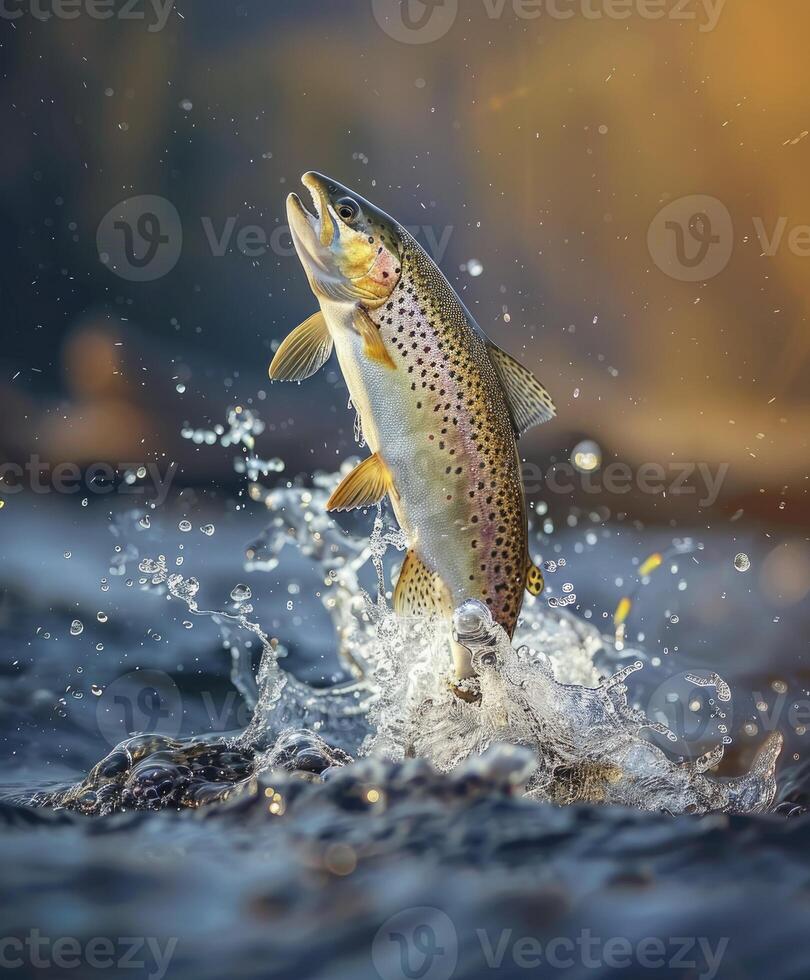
187	624
99	647
96	690
568	587
208	529
76	627
101	617
67	554
674	619
586	456
241	593
742	562
144	521
184	526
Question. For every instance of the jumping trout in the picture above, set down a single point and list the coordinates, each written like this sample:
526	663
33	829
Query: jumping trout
440	406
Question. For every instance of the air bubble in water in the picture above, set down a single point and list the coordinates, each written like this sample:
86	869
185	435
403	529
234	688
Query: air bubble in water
568	587
241	593
76	627
144	521
185	526
67	554
742	562
101	617
96	690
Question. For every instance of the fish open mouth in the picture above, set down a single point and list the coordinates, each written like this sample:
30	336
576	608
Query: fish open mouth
314	231
315	218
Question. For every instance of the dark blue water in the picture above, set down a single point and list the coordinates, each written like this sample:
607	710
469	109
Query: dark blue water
377	869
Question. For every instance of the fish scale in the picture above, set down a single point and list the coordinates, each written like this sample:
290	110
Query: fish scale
474	528
439	405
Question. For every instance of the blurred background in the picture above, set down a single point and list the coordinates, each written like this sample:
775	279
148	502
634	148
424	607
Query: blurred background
618	190
531	152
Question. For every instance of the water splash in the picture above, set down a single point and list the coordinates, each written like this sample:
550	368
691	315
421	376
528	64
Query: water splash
560	692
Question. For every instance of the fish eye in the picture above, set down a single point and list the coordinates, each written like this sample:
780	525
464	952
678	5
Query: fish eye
347	209
489	660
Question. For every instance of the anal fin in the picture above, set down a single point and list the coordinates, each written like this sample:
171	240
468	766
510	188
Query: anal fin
419	591
303	351
365	486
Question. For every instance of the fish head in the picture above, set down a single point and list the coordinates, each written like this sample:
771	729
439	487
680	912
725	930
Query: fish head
351	251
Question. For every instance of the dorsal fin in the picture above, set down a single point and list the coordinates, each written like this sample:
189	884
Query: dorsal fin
529	402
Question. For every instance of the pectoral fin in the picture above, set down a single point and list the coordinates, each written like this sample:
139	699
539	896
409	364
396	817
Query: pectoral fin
305	350
365	486
529	402
420	592
373	345
535	583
